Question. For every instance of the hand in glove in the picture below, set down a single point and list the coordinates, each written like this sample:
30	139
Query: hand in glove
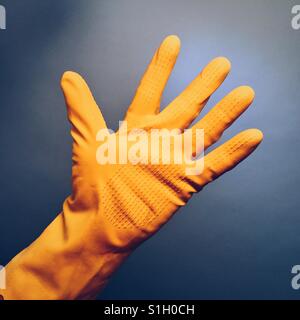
115	207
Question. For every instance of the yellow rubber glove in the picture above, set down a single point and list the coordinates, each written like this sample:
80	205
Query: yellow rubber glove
115	207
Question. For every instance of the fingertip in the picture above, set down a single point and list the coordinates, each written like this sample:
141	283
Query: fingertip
223	62
217	70
174	39
255	136
249	90
171	43
246	94
248	139
69	77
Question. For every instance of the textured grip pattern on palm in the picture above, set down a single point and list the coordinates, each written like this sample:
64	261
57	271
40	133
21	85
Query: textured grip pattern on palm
136	196
142	195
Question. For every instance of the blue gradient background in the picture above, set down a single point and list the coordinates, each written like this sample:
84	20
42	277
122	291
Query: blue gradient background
238	238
